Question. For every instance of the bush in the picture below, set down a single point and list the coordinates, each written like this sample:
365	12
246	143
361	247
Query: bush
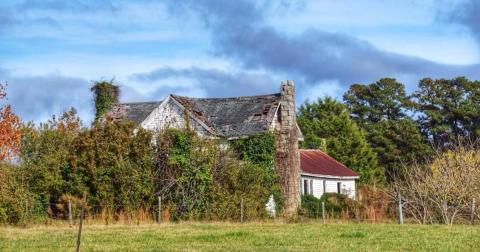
336	205
12	197
200	180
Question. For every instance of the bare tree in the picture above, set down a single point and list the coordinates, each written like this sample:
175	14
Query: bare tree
443	188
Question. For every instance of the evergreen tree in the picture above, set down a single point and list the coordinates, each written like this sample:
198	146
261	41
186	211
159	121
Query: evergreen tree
326	124
450	109
381	109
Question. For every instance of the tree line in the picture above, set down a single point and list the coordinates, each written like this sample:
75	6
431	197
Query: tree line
389	137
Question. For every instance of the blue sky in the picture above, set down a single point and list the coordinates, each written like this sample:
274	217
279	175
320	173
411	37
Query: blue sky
51	50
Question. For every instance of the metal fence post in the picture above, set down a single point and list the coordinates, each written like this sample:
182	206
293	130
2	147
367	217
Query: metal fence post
70	213
26	209
82	214
323	212
472	214
400	208
241	210
159	209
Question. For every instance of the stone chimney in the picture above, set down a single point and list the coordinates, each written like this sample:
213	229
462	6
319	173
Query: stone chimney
287	157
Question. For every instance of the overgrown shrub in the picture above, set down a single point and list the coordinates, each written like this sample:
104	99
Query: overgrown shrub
201	180
12	197
336	205
442	190
115	163
112	162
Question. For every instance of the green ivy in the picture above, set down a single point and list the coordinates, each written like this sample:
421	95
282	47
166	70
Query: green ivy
105	93
259	149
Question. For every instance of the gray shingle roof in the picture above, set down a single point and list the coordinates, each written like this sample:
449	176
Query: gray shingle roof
235	116
135	111
227	117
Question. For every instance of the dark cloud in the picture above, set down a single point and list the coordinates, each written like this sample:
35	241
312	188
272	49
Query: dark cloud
466	13
38	97
313	56
215	83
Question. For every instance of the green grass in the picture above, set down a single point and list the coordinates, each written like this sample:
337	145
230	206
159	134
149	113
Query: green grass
246	237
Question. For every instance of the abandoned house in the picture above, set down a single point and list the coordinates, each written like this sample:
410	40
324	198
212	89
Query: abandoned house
237	117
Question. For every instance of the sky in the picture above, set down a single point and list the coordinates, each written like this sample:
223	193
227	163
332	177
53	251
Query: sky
52	50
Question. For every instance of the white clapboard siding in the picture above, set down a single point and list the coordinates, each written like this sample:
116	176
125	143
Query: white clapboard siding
347	186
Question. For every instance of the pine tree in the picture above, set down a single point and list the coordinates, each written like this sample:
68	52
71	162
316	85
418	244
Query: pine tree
381	109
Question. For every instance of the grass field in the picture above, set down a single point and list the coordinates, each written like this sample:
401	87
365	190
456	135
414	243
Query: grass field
244	237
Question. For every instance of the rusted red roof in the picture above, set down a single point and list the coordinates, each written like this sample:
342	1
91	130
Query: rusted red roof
318	162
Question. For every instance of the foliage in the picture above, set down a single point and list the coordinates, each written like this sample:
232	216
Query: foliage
12	195
384	99
444	188
115	162
258	149
200	179
186	164
112	162
335	205
45	157
381	110
329	120
106	93
9	129
449	109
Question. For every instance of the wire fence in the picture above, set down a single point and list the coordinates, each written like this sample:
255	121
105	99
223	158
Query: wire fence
375	210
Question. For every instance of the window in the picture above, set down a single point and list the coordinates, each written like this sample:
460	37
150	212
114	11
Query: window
307	186
339	185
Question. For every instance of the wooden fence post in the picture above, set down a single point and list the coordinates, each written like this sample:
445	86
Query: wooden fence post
400	208
472	214
323	212
241	210
82	213
159	209
70	213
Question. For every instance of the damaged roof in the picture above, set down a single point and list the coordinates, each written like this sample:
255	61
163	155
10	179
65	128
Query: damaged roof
235	116
135	111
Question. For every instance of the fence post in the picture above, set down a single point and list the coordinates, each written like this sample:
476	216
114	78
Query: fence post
472	214
323	212
241	210
70	213
82	213
159	209
400	208
26	209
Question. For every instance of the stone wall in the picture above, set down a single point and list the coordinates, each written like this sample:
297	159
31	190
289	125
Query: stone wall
287	157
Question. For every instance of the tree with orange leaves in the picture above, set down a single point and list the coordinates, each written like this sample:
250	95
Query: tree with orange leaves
9	128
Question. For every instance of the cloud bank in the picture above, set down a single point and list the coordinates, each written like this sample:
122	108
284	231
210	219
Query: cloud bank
38	97
239	33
